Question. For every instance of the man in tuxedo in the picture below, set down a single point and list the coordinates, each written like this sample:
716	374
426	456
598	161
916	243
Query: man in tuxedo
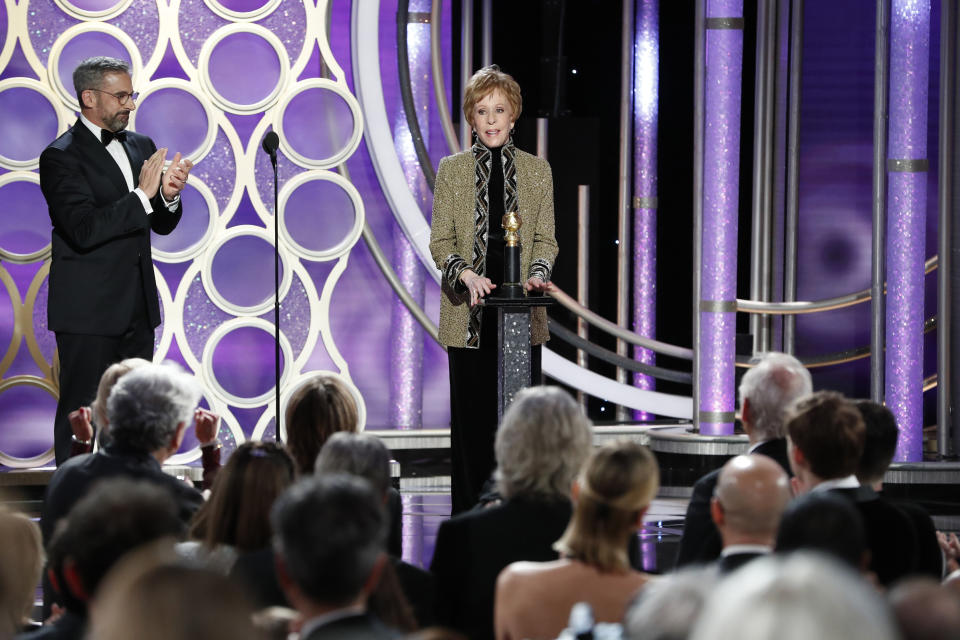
106	190
751	494
773	382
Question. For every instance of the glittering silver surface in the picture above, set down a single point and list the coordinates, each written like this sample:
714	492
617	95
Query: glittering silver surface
646	54
141	21
906	219
294	314
721	163
514	356
195	23
45	23
200	317
218	170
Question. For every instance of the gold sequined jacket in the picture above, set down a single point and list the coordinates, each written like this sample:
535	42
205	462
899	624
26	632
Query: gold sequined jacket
455	226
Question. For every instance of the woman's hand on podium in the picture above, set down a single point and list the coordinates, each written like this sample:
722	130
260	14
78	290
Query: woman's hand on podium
538	285
477	285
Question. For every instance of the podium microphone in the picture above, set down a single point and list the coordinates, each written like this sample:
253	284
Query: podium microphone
271	142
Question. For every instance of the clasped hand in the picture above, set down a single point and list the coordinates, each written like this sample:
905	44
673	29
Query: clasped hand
173	181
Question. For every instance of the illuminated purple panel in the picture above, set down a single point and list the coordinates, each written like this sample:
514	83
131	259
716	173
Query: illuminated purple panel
295	314
28	125
906	221
319	215
26	405
85	45
45	22
94	5
201	316
721	164
242	6
243	362
317	123
244	68
24	225
242	271
192	225
45	338
6	320
174	119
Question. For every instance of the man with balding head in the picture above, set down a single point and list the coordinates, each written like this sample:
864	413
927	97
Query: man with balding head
751	494
774	381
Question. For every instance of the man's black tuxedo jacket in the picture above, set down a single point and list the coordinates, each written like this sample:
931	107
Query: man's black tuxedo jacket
701	540
101	234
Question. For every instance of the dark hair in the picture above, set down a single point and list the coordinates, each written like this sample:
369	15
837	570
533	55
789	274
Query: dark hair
358	454
329	531
823	521
116	516
829	431
238	511
320	408
89	73
880	440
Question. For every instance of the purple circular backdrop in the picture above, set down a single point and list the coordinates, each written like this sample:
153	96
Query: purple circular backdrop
192	225
6	320
85	45
244	68
24	225
94	5
319	214
317	123
242	271
21	406
243	6
243	362
174	119
28	125
46	340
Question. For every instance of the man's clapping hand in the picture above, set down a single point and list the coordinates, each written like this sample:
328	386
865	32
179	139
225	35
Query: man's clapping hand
176	176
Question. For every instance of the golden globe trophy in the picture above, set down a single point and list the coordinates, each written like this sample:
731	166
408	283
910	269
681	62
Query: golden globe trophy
512	287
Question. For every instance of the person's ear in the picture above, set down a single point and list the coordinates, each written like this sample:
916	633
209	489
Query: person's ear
74	582
716	512
746	413
639	523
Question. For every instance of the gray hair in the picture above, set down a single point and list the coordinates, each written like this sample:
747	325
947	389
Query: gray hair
89	73
146	405
666	608
542	442
771	385
358	454
797	597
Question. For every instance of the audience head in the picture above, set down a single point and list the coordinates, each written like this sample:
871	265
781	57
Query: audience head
21	560
116	516
611	495
238	510
880	441
150	595
767	389
321	407
827	523
666	608
796	597
925	610
826	438
749	499
109	378
329	536
541	444
150	407
357	454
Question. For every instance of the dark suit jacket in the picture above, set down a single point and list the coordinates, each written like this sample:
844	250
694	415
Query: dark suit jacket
473	547
356	627
101	234
701	540
929	556
730	563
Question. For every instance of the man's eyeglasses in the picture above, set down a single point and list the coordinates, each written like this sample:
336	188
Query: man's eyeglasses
123	97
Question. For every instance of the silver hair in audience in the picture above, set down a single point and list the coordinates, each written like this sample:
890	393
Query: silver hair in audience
146	406
541	444
667	608
797	597
773	383
358	454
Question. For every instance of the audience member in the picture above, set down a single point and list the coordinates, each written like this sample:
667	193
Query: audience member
533	600
321	407
668	607
879	446
826	434
540	446
21	561
827	523
797	597
148	409
112	519
751	494
236	518
771	385
329	534
925	610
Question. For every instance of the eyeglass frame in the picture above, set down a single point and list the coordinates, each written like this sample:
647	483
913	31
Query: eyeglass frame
123	98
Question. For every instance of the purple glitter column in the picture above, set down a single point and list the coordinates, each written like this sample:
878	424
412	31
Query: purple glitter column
721	164
646	63
907	166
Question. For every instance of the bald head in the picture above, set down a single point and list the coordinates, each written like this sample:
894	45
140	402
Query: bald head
925	610
752	492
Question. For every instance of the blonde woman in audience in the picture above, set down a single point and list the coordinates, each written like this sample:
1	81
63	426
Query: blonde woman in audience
320	408
611	495
21	560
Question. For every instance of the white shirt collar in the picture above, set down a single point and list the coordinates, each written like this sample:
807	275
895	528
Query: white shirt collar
94	129
849	482
331	616
745	548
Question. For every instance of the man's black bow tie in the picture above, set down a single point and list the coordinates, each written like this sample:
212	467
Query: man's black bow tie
106	136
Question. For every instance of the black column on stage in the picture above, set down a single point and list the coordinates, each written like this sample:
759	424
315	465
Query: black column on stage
270	144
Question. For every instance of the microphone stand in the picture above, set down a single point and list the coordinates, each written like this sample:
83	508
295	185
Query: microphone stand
270	143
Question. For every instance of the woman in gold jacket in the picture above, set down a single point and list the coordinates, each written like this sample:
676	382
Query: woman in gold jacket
474	189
